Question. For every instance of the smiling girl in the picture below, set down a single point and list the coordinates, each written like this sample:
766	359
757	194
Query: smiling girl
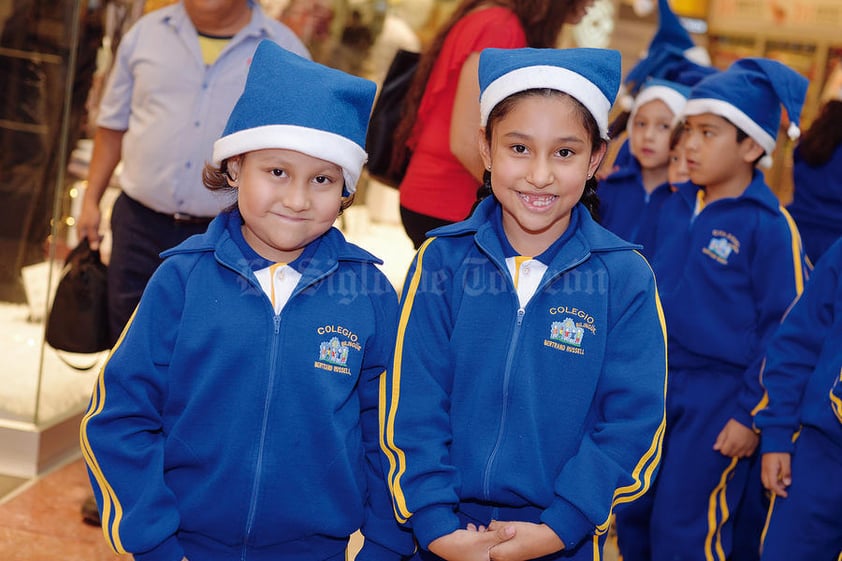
526	398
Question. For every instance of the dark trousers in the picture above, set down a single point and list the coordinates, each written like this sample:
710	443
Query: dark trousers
139	234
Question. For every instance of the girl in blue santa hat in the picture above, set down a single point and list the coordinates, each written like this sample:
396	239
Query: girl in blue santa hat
526	398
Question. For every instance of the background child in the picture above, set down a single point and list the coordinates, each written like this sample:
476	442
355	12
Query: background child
237	415
729	262
632	195
528	381
803	379
672	56
677	172
817	177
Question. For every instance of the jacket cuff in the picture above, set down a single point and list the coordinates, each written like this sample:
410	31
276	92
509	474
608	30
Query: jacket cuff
567	522
170	550
774	439
744	418
433	522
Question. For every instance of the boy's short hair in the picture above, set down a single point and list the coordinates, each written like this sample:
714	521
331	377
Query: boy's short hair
749	95
293	103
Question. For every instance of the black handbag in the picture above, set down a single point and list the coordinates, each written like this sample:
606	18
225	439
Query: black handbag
385	116
78	318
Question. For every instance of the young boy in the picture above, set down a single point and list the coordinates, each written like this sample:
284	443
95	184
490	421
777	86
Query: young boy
803	379
729	262
237	415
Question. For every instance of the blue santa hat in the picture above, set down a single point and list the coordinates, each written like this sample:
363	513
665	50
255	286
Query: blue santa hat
591	76
672	32
750	94
673	94
672	55
293	103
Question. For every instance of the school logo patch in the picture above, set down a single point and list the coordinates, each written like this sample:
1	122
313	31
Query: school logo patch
334	352
569	331
721	246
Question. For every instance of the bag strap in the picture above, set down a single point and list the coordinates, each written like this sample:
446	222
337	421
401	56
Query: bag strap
80	368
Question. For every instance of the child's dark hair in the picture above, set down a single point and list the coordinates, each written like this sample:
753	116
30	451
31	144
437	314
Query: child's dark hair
819	142
676	134
589	197
619	124
216	179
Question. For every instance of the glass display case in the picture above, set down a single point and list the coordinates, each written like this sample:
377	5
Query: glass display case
47	58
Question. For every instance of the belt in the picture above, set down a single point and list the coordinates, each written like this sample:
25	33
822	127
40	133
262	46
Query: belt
175	218
182	218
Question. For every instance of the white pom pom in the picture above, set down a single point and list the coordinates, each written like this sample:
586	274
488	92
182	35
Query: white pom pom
626	102
765	162
643	8
793	132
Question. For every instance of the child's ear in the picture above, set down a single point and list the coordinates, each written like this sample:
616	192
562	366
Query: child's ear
232	171
484	149
596	158
751	151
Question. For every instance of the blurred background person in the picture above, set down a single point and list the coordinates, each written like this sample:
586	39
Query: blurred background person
441	124
817	180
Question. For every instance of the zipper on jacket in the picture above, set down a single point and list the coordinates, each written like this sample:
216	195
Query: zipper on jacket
258	472
521	312
273	366
486	480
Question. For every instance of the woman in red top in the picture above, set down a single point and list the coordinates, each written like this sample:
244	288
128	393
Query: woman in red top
441	122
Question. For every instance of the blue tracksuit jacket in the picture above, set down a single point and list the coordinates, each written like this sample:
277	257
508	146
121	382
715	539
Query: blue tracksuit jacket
627	209
803	379
727	277
221	431
555	410
817	202
803	371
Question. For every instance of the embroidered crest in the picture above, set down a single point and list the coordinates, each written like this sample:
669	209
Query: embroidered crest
567	332
721	246
333	352
333	355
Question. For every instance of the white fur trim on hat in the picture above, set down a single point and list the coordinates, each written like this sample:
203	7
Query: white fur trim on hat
553	77
736	116
673	99
317	143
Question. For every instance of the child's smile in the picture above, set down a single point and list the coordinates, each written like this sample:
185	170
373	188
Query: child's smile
540	157
538	201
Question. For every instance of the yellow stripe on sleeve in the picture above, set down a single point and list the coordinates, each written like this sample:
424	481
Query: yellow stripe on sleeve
796	252
397	458
835	402
652	457
110	527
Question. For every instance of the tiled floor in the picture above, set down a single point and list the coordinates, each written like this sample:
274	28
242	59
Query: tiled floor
41	521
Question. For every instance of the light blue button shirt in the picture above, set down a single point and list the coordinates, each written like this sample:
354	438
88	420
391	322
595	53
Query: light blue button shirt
173	106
